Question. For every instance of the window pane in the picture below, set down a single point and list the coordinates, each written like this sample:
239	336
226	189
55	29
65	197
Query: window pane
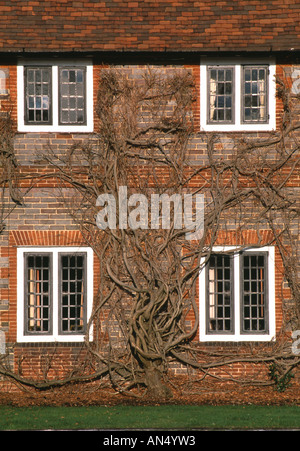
219	295
37	84
72	109
72	293
254	299
45	76
37	293
220	94
254	81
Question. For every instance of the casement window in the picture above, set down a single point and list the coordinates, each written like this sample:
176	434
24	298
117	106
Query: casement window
38	95
4	74
54	293
219	297
237	95
254	106
72	99
55	97
237	296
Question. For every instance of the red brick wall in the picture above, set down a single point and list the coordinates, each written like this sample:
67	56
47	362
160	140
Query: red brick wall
44	221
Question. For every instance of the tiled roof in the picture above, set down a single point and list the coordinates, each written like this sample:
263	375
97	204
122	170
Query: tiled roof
149	25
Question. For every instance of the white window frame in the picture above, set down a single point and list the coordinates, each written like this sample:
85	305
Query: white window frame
237	336
55	336
55	126
237	125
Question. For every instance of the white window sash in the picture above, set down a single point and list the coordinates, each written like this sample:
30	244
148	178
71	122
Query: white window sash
237	335
54	337
238	125
55	126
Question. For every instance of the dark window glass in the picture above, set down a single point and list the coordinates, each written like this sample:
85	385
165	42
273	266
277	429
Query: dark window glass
220	294
221	94
38	102
255	82
38	293
72	101
254	293
72	293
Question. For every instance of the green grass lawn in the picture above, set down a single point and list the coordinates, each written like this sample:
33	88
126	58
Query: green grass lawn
150	417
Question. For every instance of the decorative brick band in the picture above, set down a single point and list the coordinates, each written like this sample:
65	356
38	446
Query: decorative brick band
241	237
46	238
